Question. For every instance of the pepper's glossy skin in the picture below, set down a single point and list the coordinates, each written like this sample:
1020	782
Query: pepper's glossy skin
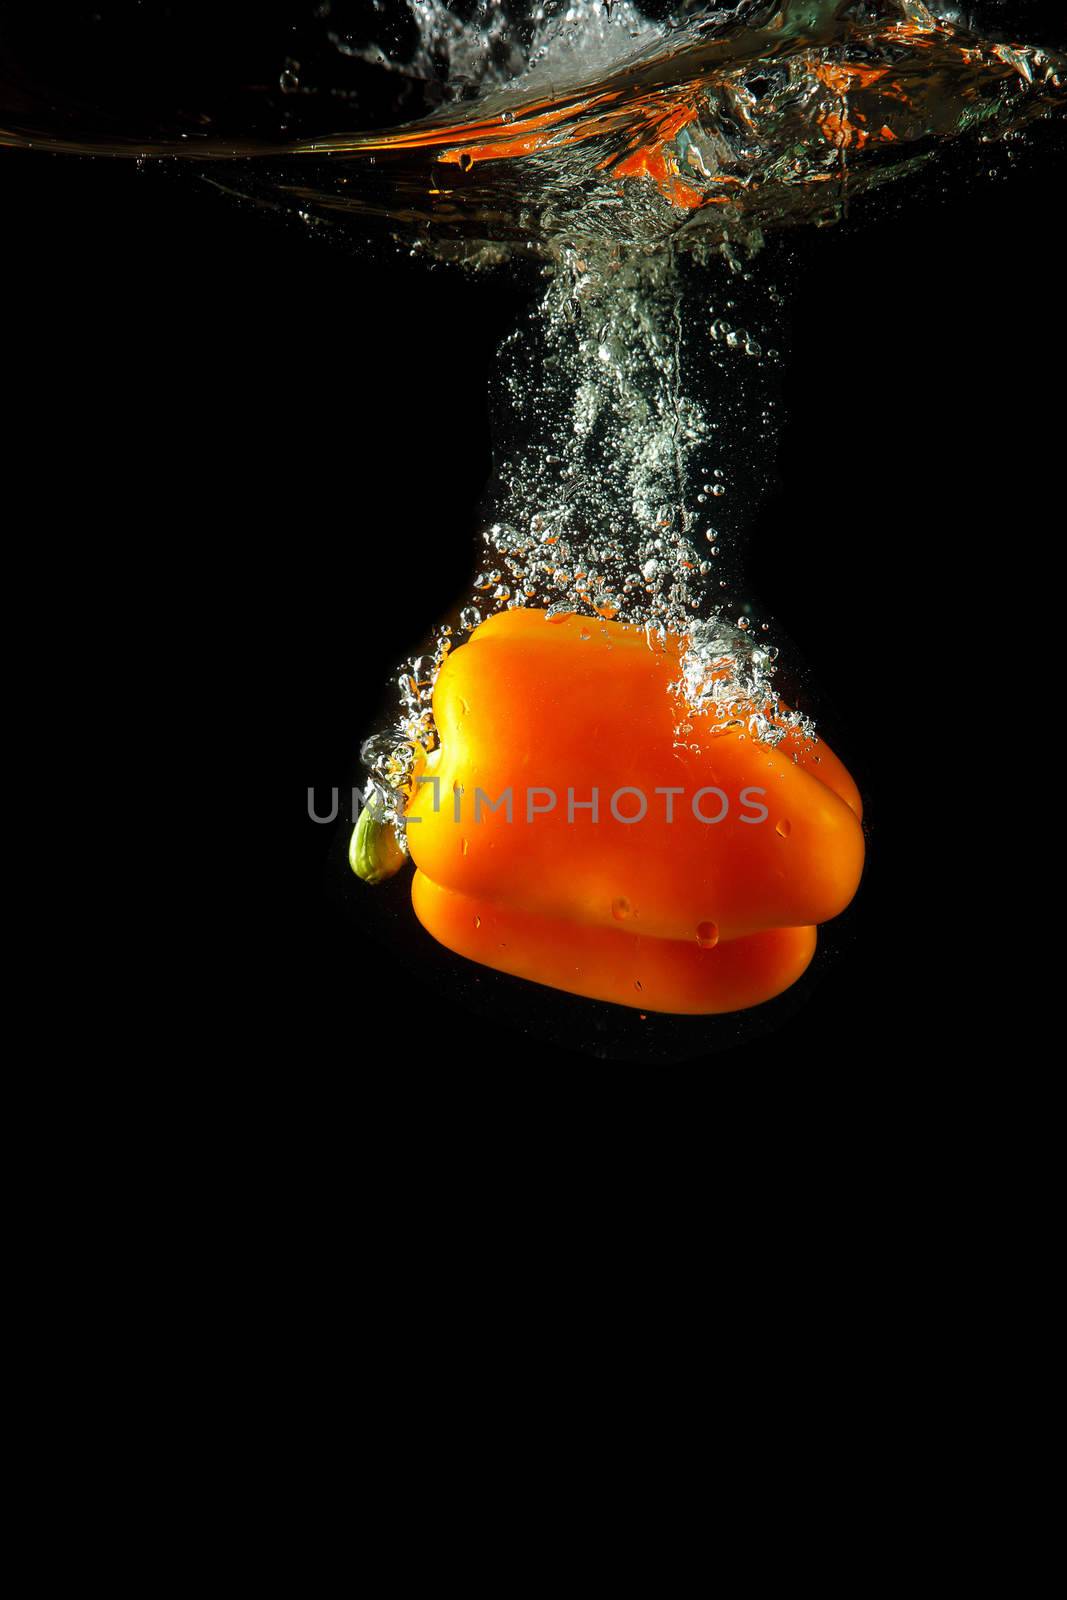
685	915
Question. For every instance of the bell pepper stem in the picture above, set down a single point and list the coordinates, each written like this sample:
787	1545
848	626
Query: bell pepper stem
373	853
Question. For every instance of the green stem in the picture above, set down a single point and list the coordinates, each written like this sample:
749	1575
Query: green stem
374	853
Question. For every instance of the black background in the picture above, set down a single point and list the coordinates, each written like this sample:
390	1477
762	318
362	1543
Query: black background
262	448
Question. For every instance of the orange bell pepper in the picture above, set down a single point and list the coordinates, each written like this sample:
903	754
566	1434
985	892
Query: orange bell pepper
690	882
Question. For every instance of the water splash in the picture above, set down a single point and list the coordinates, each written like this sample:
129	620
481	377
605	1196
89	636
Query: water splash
555	128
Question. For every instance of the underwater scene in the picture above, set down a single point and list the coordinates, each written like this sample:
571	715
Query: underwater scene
601	786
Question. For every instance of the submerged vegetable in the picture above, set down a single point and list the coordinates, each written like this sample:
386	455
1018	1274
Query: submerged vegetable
563	833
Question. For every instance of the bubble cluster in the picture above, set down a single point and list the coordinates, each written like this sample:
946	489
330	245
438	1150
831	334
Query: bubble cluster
605	460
